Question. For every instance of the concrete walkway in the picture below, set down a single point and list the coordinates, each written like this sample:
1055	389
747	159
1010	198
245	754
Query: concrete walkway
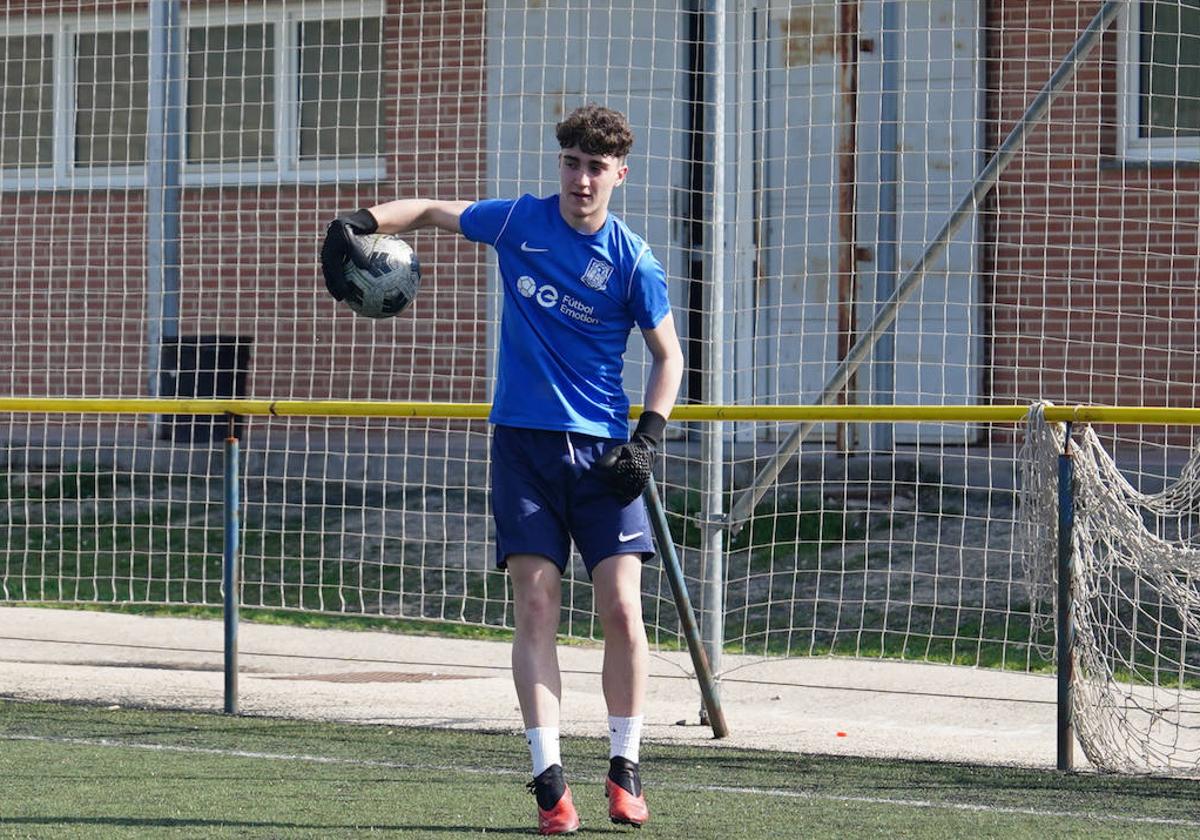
827	706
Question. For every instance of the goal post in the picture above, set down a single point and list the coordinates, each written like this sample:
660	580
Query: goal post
1123	594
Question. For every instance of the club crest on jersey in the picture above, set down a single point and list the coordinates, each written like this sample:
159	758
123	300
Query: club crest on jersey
597	274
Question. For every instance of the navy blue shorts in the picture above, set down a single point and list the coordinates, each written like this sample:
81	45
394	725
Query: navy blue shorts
544	495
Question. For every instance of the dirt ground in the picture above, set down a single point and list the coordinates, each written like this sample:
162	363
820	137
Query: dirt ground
825	706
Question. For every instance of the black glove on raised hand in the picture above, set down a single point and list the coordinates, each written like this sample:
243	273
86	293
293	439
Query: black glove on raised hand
340	243
627	468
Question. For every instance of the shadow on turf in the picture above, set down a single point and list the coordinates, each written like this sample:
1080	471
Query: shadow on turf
134	822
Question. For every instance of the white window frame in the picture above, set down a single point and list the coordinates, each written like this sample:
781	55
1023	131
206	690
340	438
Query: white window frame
1132	145
285	168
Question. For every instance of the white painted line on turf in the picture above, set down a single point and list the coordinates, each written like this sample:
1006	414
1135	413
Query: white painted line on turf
495	771
315	759
932	804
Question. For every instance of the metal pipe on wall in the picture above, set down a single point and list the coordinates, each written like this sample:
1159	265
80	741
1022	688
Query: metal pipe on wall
164	162
847	179
887	248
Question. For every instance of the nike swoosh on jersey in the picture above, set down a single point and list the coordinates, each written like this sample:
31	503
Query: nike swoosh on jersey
623	537
529	249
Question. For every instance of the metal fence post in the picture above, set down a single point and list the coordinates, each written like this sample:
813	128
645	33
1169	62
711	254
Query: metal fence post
230	579
1064	625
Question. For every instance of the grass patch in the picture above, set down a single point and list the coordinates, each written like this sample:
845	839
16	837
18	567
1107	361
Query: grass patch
780	519
293	618
87	772
89	535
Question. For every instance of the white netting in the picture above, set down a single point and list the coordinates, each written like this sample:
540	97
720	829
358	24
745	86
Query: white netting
787	176
1135	569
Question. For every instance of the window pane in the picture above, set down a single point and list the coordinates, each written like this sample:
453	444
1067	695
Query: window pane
230	94
112	71
1170	71
341	64
26	101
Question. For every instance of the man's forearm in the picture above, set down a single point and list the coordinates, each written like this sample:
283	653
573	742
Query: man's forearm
662	386
411	213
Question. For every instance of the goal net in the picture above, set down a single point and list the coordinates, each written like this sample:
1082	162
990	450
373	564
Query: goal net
822	182
1135	608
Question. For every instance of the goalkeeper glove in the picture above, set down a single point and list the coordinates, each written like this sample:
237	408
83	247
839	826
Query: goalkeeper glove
627	468
341	242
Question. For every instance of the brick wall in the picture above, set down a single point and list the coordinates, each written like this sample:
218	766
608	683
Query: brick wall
1091	266
1093	260
76	272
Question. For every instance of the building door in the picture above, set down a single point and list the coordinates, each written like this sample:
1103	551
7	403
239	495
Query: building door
800	303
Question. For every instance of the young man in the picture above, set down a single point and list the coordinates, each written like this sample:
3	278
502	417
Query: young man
576	281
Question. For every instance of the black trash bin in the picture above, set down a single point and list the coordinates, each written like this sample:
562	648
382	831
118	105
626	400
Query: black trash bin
202	367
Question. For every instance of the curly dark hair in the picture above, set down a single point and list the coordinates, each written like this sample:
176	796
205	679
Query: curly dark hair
596	130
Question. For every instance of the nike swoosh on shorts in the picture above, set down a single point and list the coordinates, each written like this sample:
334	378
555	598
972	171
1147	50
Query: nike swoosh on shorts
623	537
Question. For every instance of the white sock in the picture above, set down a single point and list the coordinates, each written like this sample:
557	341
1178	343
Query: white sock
543	747
626	734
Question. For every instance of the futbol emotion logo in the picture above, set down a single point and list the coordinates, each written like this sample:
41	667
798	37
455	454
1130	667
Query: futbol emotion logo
548	297
545	295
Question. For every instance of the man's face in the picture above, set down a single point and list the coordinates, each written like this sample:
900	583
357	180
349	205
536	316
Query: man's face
586	184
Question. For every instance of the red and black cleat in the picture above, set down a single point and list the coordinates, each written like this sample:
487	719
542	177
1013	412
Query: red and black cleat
556	809
623	787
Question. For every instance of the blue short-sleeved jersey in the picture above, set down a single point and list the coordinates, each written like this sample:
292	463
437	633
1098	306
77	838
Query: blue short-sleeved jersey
570	302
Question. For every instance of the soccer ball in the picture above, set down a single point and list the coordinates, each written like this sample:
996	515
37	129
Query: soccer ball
389	282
